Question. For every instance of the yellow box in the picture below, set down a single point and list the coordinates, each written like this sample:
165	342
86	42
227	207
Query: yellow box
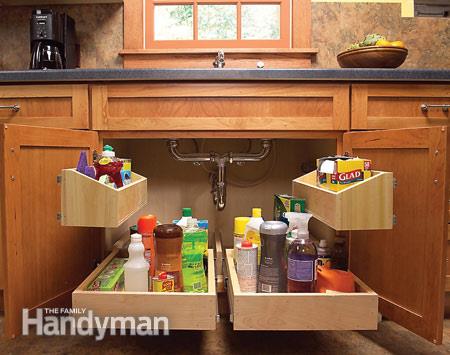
339	172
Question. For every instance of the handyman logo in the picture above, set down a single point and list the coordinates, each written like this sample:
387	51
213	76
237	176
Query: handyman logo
86	323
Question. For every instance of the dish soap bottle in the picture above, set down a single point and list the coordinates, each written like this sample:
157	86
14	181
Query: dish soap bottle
302	258
136	268
252	230
108	164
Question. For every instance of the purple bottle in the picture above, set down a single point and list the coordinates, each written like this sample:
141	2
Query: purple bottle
302	258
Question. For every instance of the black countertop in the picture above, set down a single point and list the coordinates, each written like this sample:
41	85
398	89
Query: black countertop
91	75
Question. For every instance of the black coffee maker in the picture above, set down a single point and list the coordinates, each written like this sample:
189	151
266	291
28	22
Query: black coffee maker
53	42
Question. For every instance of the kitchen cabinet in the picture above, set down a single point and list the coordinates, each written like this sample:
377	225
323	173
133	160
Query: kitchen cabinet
42	261
218	106
65	106
404	266
386	106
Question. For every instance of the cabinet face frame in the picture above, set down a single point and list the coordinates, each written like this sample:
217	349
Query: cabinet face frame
386	148
76	117
15	141
206	106
407	114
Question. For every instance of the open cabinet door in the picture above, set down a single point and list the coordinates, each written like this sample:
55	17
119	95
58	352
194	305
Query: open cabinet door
406	265
41	262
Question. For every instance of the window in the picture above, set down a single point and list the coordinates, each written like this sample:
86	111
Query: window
217	23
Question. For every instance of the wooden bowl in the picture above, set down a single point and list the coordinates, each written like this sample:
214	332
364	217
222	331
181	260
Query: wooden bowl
372	57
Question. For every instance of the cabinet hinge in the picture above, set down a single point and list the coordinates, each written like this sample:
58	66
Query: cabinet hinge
59	216
394	182
394	219
58	179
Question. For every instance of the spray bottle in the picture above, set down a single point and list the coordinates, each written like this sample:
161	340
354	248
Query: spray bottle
302	255
252	230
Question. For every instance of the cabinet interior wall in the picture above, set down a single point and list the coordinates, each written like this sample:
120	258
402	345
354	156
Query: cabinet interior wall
173	184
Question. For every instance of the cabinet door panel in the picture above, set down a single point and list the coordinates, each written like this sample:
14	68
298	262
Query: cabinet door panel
405	266
42	261
220	106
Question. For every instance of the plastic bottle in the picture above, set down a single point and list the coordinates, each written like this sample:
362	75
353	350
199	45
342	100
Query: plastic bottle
186	213
239	232
252	230
323	254
272	270
168	242
136	268
108	164
145	226
302	258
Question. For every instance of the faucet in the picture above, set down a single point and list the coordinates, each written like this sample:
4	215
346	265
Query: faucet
219	62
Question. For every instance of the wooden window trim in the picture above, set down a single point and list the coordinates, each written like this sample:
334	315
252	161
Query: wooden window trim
283	42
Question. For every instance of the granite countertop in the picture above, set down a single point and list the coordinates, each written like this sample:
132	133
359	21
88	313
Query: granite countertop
91	75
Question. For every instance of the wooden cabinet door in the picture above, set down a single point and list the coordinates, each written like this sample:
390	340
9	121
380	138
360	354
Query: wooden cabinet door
42	261
406	265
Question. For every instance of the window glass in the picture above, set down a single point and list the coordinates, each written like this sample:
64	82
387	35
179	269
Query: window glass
174	22
260	21
217	22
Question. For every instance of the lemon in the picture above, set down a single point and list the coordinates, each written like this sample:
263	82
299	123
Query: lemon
383	43
399	44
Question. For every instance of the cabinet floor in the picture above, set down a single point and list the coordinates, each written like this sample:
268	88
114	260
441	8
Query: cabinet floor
389	339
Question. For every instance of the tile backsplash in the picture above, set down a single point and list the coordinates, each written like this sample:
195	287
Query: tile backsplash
334	27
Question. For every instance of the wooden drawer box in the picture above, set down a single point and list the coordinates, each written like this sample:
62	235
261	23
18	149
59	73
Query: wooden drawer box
86	202
65	106
300	311
365	205
190	311
220	106
384	106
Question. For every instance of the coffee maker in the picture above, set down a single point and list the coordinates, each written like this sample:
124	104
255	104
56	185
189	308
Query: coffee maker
52	41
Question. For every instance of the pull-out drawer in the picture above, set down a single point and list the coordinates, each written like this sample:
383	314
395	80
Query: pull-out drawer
65	106
384	106
221	106
190	311
300	311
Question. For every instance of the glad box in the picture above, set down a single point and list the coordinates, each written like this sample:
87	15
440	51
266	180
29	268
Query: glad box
338	173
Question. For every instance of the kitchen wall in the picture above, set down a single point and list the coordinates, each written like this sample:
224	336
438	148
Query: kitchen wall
99	29
335	25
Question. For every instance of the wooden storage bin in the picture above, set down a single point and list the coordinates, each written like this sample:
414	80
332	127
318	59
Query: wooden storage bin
365	205
300	311
85	202
190	311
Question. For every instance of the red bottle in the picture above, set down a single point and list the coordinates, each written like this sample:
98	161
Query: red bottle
108	164
146	225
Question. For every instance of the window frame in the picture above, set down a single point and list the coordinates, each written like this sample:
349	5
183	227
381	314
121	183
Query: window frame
283	42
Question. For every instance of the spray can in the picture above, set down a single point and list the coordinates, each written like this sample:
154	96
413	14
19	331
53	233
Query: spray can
272	270
247	267
239	230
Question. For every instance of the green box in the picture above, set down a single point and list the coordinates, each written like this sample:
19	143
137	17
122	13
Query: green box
286	203
111	278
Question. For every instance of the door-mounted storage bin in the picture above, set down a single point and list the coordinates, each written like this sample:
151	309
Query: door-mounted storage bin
85	202
365	205
189	311
301	311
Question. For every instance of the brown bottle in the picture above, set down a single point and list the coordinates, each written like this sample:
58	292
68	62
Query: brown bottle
168	241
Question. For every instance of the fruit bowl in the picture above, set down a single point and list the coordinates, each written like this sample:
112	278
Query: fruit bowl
372	57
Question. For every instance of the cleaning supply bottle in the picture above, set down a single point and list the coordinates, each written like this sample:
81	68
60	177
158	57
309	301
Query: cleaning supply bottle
302	259
252	230
145	226
323	254
136	268
239	233
108	164
168	243
186	213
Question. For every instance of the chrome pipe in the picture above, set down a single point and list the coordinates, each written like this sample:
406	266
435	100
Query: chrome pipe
188	157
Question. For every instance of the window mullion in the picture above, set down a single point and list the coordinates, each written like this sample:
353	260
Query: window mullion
238	20
195	9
